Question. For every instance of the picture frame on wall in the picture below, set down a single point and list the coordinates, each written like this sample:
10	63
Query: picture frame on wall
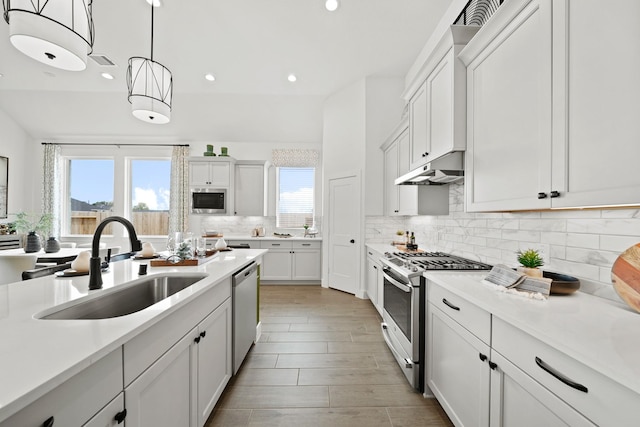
4	185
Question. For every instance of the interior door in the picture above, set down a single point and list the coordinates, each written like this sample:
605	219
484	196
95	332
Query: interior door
345	241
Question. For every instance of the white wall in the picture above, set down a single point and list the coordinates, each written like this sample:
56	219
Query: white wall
581	243
24	166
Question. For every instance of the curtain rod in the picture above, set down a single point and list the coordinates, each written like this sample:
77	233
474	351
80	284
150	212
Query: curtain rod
117	145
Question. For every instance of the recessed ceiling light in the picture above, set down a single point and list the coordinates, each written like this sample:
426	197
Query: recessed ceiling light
292	78
331	5
155	3
107	76
210	77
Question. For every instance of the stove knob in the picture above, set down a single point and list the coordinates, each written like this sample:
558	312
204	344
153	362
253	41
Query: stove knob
415	269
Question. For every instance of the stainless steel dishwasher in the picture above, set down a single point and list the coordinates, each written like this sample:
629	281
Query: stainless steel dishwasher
245	306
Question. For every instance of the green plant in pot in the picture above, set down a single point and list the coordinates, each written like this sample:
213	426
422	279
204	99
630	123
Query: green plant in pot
530	260
34	226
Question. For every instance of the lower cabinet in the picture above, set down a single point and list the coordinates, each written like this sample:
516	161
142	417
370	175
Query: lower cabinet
457	369
111	415
291	261
518	400
374	280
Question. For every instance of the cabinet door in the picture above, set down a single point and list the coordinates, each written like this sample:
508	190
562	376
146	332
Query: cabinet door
456	372
214	353
509	110
518	400
306	264
418	132
596	92
250	190
109	415
390	174
161	395
407	194
199	173
372	281
276	265
440	107
220	174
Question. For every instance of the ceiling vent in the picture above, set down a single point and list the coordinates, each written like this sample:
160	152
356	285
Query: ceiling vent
102	60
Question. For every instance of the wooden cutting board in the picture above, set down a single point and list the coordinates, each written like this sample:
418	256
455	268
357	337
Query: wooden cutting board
625	276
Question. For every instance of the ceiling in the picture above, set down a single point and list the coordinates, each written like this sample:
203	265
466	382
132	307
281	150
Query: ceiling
251	46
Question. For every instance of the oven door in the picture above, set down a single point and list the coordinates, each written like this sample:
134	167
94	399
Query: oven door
400	327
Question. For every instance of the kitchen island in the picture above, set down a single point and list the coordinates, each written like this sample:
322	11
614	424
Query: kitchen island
39	355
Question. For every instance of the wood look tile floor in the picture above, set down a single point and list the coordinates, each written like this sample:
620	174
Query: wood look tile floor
321	361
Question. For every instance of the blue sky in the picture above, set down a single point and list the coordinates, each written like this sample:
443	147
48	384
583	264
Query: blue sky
92	181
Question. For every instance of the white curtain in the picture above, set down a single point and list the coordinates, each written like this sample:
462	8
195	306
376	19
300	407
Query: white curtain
51	184
179	203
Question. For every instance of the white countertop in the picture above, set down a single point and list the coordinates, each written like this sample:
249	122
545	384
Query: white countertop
266	237
38	355
597	332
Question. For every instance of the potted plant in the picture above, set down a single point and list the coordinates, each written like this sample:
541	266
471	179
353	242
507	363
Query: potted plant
34	225
530	260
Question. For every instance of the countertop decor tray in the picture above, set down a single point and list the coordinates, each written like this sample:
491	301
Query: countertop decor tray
186	262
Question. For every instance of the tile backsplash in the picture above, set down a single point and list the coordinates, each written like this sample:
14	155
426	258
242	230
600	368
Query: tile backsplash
581	243
242	225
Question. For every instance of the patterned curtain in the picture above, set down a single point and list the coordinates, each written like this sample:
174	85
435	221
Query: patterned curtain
295	157
51	184
179	203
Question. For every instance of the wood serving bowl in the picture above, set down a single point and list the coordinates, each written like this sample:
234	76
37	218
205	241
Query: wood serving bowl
561	284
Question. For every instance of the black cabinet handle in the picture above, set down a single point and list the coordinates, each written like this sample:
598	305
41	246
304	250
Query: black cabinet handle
352	241
555	194
197	339
542	195
120	416
48	423
203	334
559	376
425	154
483	357
396	211
375	267
493	365
448	304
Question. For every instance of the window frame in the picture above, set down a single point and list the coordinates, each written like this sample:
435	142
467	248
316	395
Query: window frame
314	201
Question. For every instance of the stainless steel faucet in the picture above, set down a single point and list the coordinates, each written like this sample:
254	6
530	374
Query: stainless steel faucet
95	274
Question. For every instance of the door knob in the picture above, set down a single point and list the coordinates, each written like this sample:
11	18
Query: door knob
352	241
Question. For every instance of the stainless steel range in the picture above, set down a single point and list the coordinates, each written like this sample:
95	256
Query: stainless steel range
403	317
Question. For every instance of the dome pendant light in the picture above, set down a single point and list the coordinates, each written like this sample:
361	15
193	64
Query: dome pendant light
150	87
59	33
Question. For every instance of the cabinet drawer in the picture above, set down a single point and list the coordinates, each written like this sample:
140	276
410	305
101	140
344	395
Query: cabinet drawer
597	397
252	243
78	399
470	316
147	347
306	245
270	244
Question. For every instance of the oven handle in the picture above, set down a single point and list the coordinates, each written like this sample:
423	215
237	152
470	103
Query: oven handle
385	334
401	286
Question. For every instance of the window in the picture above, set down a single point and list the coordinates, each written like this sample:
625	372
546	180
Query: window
103	181
150	183
295	197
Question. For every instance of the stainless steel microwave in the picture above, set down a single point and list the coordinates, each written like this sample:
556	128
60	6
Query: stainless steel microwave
211	201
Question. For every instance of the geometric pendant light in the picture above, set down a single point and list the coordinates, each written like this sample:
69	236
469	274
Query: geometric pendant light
59	33
150	87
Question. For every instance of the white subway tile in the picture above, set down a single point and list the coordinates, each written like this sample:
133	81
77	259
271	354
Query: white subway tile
502	224
588	241
543	224
617	243
521	235
575	269
592	257
553	238
557	252
624	227
621	213
576	214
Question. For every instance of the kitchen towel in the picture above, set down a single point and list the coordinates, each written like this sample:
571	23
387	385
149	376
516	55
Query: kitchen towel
506	279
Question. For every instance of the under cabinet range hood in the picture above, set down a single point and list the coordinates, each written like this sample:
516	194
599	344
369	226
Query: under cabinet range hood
445	170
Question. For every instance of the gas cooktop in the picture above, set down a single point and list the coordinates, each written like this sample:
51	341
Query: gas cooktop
416	262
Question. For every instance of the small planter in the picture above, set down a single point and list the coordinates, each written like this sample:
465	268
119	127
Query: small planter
532	272
33	243
52	245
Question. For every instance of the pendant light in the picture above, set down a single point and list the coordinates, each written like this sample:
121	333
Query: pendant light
59	33
150	87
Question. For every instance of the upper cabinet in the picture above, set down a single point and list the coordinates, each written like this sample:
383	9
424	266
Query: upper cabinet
437	100
544	118
251	187
212	172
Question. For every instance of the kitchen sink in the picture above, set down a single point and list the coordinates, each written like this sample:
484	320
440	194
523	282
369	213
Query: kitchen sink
127	298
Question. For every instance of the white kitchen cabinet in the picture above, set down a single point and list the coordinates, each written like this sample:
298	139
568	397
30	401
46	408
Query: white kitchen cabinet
161	396
543	116
375	281
518	400
458	370
250	188
211	173
291	261
214	357
111	415
77	400
437	108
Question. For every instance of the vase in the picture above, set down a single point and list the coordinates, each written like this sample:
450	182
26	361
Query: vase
220	244
532	272
33	243
51	245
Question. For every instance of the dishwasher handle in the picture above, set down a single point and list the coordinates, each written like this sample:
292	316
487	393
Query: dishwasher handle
242	275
